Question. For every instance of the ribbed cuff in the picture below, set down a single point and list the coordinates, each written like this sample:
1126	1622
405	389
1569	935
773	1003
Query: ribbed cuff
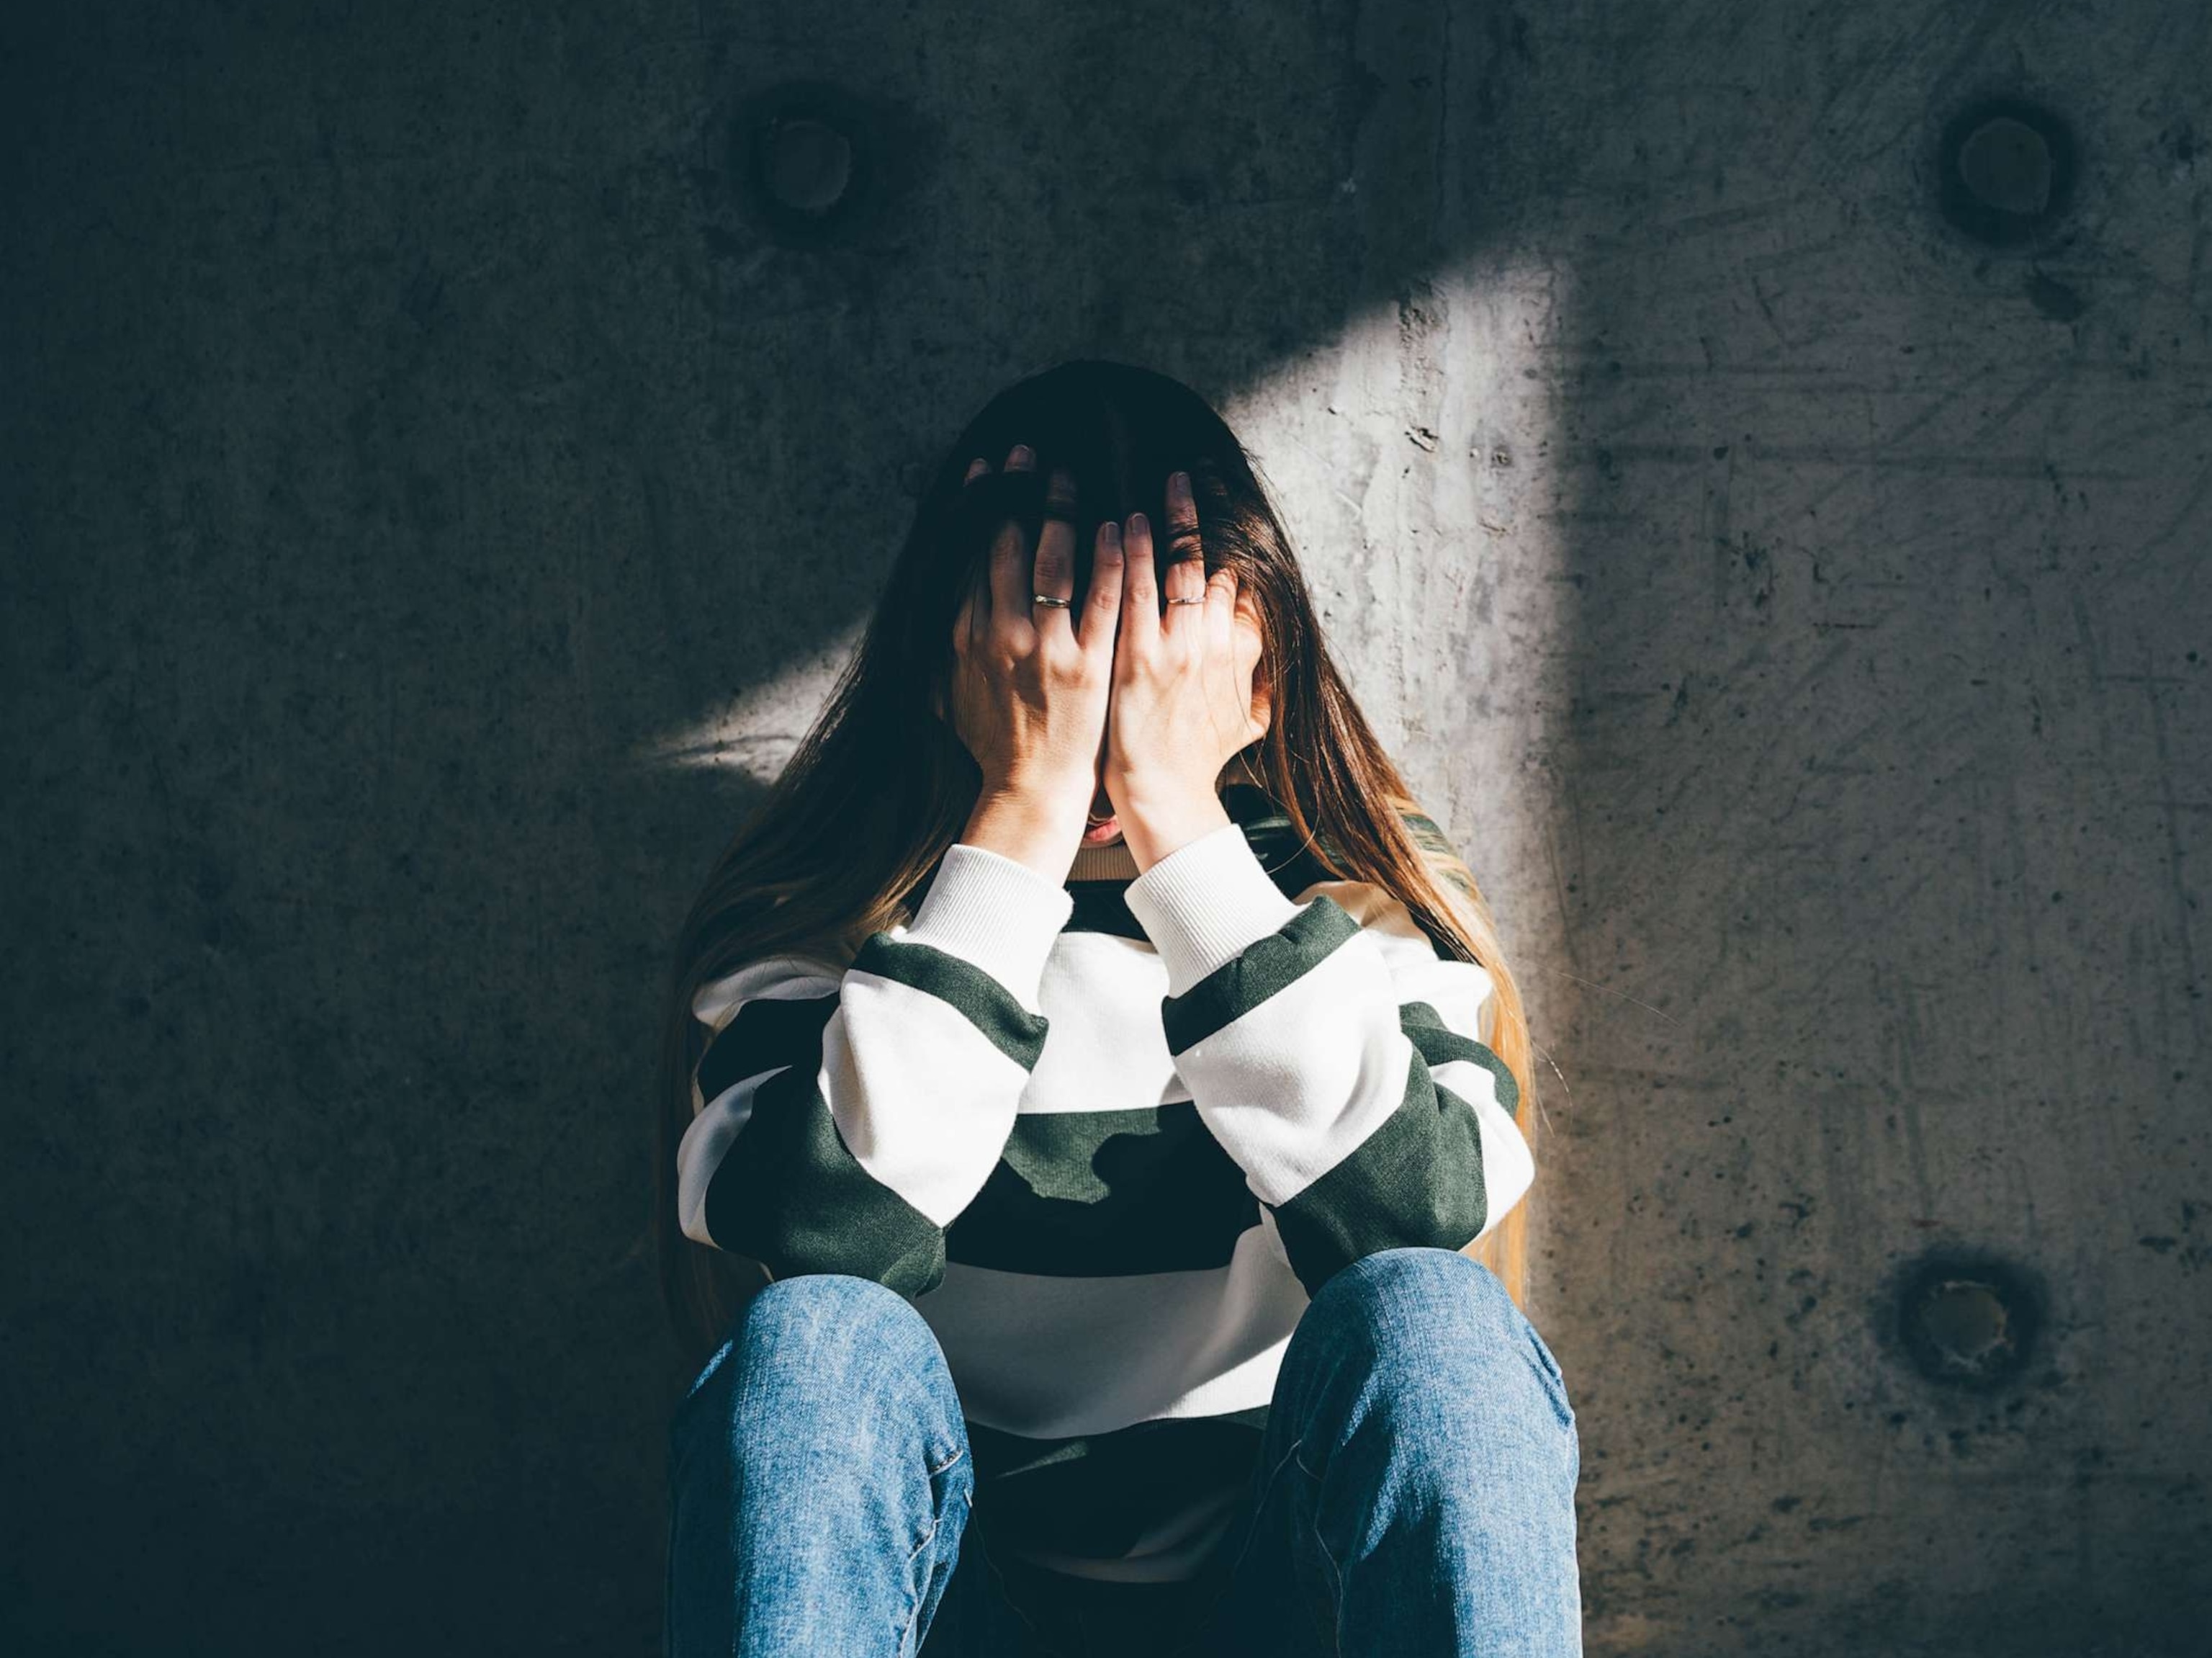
1205	902
996	912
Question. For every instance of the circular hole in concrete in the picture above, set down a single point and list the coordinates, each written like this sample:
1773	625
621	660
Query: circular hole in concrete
806	163
1969	1322
2007	170
2007	165
807	154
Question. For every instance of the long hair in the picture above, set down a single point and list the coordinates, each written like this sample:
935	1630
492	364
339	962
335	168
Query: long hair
880	785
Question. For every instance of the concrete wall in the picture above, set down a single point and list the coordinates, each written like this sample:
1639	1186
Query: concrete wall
436	491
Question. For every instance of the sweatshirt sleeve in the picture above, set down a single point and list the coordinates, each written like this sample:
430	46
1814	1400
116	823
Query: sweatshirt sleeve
1335	1056
844	1116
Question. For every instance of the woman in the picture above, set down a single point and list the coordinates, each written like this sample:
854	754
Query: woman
1108	1068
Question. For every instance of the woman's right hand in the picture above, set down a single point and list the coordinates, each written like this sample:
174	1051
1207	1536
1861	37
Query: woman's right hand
1030	682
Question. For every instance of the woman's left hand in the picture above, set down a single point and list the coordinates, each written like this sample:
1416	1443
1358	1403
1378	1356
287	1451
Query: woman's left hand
1183	699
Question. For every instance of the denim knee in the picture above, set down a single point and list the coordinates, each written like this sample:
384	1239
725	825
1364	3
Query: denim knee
1434	1320
818	1477
836	1358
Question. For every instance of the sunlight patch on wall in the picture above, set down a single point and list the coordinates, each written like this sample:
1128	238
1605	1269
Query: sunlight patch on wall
1419	464
1414	462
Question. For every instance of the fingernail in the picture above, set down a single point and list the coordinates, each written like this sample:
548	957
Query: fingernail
1179	481
1136	524
1021	455
1111	534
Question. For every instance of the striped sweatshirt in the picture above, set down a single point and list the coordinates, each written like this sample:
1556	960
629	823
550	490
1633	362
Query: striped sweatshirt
1107	1137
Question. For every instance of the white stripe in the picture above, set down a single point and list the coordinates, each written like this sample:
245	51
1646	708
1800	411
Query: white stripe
923	1098
1461	992
1047	1356
1292	1086
1105	1048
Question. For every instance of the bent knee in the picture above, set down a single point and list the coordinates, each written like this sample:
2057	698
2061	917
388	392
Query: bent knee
1414	1294
828	1343
813	1303
830	1404
1434	1320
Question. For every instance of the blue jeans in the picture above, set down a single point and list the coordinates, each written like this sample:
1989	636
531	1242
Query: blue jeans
1414	1495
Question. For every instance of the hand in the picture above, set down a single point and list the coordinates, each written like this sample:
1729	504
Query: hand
1030	688
1184	702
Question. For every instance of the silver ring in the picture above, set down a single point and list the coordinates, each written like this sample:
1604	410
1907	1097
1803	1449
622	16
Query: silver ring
1048	599
1199	600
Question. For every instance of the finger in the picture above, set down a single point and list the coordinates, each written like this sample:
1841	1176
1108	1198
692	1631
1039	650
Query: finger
1245	627
1217	615
1186	573
1140	593
978	469
1102	604
968	623
1056	555
1248	647
1010	562
1220	629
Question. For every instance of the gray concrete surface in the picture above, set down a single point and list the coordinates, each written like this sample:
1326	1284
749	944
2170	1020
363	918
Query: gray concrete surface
435	496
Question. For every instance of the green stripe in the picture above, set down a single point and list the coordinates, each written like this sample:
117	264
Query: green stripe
1265	966
1095	1494
765	1032
1426	833
1439	1043
790	1193
988	1005
1418	1178
1105	1194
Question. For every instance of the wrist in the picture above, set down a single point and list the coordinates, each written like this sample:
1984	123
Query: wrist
1038	795
1154	826
1042	831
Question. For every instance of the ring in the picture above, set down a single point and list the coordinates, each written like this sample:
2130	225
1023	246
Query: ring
1048	599
1199	600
